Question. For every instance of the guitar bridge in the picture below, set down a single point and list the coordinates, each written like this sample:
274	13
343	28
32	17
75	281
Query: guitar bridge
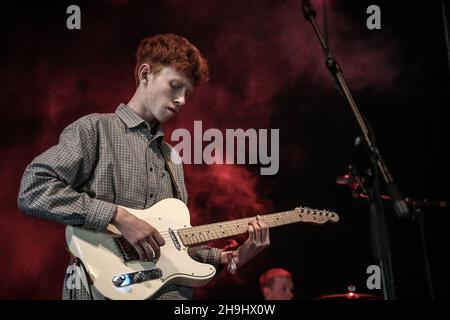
126	279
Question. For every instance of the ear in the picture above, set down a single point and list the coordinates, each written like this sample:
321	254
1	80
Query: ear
266	293
144	72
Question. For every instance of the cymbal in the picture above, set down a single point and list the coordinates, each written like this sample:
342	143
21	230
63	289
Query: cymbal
349	296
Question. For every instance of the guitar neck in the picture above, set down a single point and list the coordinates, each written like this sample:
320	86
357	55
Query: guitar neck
201	234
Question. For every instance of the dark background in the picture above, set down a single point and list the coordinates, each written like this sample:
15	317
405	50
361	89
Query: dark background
267	71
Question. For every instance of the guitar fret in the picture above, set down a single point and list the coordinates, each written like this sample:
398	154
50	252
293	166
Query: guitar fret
205	234
200	234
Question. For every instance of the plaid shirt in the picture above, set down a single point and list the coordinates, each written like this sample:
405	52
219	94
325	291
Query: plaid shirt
102	161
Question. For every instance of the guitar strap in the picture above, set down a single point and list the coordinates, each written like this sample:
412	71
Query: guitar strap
170	169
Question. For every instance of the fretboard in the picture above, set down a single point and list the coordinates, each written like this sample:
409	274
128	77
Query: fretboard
208	232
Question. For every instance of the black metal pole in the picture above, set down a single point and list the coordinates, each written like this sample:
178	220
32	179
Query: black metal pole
446	31
380	239
380	236
418	213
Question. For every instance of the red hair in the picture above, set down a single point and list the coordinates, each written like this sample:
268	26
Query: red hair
174	51
266	279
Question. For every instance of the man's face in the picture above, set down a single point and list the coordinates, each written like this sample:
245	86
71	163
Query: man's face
166	93
282	289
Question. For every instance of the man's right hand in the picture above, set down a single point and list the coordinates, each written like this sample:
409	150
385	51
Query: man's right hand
142	236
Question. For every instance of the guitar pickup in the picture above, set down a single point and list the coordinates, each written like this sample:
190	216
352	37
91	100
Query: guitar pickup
174	239
127	251
126	279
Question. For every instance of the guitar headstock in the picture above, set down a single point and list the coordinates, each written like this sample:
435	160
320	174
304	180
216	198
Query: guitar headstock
316	216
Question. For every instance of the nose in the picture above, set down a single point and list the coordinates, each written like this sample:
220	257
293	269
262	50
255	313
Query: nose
179	101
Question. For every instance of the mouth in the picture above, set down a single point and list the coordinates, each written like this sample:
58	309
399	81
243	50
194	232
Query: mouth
173	110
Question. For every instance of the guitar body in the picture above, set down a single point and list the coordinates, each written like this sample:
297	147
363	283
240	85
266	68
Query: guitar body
104	261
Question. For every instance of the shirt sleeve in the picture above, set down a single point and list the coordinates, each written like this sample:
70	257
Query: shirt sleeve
49	184
206	254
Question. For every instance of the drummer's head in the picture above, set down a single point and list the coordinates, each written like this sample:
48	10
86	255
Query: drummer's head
276	284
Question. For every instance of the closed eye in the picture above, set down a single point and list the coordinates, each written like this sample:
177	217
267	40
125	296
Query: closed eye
177	85
174	85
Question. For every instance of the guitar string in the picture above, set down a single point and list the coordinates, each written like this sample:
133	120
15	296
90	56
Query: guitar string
171	244
232	224
216	233
270	218
166	234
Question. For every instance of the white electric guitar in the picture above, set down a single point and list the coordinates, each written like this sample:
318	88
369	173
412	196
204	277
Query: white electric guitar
117	272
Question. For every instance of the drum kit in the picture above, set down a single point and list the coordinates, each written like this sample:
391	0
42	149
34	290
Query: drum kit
351	294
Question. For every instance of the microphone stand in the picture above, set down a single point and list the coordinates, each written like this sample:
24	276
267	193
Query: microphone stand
380	237
446	31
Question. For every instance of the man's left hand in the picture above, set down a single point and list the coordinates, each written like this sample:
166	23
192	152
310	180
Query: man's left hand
258	239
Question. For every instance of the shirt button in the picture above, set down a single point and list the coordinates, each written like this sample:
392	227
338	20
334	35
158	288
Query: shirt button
151	195
151	168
